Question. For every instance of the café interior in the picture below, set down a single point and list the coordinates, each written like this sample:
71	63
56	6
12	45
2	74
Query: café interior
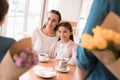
23	17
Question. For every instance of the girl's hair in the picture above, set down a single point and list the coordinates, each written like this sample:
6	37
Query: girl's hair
3	9
66	25
55	12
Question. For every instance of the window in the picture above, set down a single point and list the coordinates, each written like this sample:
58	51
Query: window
23	17
52	4
85	8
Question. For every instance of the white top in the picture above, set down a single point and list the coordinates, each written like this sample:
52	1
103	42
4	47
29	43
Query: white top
41	42
62	51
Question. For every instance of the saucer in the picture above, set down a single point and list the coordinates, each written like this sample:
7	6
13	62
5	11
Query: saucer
44	72
43	60
61	69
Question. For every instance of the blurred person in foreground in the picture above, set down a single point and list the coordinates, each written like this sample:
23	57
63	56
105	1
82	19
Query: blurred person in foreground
5	42
14	60
88	66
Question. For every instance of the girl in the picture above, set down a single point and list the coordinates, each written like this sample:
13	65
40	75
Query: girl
65	47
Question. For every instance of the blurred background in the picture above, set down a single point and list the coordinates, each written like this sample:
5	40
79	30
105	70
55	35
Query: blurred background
25	15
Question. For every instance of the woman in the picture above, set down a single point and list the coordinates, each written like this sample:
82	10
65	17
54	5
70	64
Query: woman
65	47
5	42
42	38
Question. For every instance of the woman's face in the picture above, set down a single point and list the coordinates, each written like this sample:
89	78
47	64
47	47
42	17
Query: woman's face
51	21
63	33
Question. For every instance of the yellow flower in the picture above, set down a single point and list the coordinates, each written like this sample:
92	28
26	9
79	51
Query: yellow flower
116	39
102	40
87	41
98	29
108	34
99	41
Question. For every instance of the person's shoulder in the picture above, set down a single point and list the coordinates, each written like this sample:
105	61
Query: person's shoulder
7	40
56	43
73	43
36	29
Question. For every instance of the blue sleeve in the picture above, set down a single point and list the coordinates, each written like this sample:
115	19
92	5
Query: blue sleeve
85	59
99	10
5	45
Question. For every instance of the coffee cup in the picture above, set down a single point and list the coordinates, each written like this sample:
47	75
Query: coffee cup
62	64
43	56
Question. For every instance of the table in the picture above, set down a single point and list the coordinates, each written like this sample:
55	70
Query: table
30	75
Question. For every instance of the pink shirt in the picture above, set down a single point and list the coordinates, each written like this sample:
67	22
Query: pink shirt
69	51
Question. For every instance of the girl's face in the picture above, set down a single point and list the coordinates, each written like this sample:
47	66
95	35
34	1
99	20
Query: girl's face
51	21
64	34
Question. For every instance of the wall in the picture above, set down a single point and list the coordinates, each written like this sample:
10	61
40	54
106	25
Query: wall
70	9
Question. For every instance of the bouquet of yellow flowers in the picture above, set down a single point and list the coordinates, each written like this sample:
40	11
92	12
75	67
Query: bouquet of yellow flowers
105	43
102	40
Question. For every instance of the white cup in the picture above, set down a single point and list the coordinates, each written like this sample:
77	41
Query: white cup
62	65
43	56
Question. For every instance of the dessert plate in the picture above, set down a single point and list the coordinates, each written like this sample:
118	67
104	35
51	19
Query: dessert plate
61	69
44	72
